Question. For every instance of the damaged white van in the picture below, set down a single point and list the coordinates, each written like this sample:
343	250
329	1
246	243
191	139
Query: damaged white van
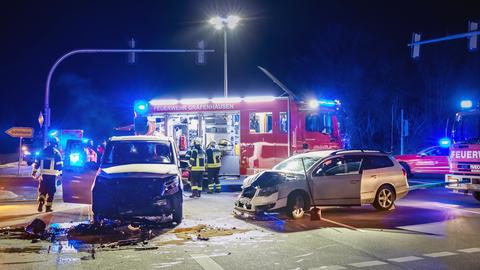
335	178
139	177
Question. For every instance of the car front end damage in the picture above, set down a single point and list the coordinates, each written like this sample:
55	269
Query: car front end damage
264	192
129	196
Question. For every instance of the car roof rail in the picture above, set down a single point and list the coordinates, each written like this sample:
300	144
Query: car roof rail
357	151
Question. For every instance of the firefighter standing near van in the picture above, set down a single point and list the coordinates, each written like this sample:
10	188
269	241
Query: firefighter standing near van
214	162
46	168
197	163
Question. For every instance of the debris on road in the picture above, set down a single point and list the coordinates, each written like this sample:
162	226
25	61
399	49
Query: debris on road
36	228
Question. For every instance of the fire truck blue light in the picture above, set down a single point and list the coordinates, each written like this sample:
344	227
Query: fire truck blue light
53	133
466	104
141	107
445	142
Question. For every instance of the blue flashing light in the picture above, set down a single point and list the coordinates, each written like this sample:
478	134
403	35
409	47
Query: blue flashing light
141	107
445	142
466	104
37	153
85	140
53	133
327	103
75	159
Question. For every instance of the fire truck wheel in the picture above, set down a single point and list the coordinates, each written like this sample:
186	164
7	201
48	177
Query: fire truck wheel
406	168
385	198
476	195
297	205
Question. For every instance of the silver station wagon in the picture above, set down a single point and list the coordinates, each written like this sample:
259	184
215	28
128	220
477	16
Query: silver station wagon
336	178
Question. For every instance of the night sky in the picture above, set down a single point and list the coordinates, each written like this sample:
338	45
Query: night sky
318	48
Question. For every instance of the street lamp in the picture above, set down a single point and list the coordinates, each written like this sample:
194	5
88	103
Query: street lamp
220	23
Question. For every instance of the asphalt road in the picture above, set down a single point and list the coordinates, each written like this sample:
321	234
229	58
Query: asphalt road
431	228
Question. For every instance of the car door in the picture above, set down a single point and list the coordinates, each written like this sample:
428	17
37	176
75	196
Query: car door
336	181
427	160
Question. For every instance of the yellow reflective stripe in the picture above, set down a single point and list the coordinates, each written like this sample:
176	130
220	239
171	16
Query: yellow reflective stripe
194	188
51	172
49	204
199	188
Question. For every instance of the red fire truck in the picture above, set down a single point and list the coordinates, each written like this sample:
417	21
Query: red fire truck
465	152
252	132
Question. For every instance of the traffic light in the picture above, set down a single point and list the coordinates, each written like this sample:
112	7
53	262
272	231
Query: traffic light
141	107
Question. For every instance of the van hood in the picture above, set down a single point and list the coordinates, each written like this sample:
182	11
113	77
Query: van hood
141	168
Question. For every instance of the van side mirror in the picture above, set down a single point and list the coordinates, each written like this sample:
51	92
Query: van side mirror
184	164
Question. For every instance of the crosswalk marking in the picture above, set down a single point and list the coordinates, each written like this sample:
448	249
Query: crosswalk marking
469	250
367	264
405	259
206	262
439	254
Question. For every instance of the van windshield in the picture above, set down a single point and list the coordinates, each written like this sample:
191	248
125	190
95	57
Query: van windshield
128	152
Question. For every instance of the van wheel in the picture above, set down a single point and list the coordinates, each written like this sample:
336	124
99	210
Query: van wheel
297	205
385	198
407	169
476	195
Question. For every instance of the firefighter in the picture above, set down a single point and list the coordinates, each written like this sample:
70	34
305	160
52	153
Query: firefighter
197	163
46	168
214	162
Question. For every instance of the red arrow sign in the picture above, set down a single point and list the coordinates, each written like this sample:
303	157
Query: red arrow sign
23	132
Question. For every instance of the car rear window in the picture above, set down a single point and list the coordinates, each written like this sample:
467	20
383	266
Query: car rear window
377	162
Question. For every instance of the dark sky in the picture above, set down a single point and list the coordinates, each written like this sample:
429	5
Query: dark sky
275	34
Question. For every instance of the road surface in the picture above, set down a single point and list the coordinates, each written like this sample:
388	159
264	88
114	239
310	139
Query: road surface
429	229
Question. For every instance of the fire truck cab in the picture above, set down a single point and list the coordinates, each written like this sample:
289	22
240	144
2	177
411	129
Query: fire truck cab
464	158
251	132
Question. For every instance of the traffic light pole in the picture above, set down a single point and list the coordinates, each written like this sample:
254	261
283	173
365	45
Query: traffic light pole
92	51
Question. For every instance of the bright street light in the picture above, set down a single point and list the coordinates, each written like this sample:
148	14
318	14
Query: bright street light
220	23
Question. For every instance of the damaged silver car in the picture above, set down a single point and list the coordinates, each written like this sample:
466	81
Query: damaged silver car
335	178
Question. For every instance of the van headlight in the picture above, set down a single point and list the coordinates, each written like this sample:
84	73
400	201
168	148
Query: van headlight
172	184
267	191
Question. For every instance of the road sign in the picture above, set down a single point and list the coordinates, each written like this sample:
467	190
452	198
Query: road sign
40	119
20	132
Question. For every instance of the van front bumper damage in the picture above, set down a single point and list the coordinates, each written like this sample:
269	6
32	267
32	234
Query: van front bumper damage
463	183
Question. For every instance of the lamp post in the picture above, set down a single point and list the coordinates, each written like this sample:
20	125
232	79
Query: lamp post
220	23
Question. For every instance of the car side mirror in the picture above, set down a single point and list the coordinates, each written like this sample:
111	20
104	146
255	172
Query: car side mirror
184	164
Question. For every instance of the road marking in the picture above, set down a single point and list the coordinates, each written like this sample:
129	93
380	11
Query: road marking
455	207
439	254
328	267
342	224
303	255
469	250
368	264
206	262
405	259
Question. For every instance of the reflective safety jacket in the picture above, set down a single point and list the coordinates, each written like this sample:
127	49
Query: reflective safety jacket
48	162
197	159
214	158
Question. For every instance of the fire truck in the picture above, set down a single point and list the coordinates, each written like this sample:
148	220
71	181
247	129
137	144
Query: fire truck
464	158
252	132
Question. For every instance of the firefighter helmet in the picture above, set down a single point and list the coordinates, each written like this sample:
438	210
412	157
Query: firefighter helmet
52	140
197	141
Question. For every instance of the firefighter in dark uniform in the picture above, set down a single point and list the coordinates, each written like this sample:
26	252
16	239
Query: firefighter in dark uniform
214	162
197	163
46	168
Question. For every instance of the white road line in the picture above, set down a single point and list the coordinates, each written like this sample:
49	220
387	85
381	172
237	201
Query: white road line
342	224
368	263
206	262
439	254
459	209
469	250
303	255
405	259
328	267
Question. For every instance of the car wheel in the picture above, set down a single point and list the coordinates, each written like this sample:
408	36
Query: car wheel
177	205
385	198
297	205
407	169
476	195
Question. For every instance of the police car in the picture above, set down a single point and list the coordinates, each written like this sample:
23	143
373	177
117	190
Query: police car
139	177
